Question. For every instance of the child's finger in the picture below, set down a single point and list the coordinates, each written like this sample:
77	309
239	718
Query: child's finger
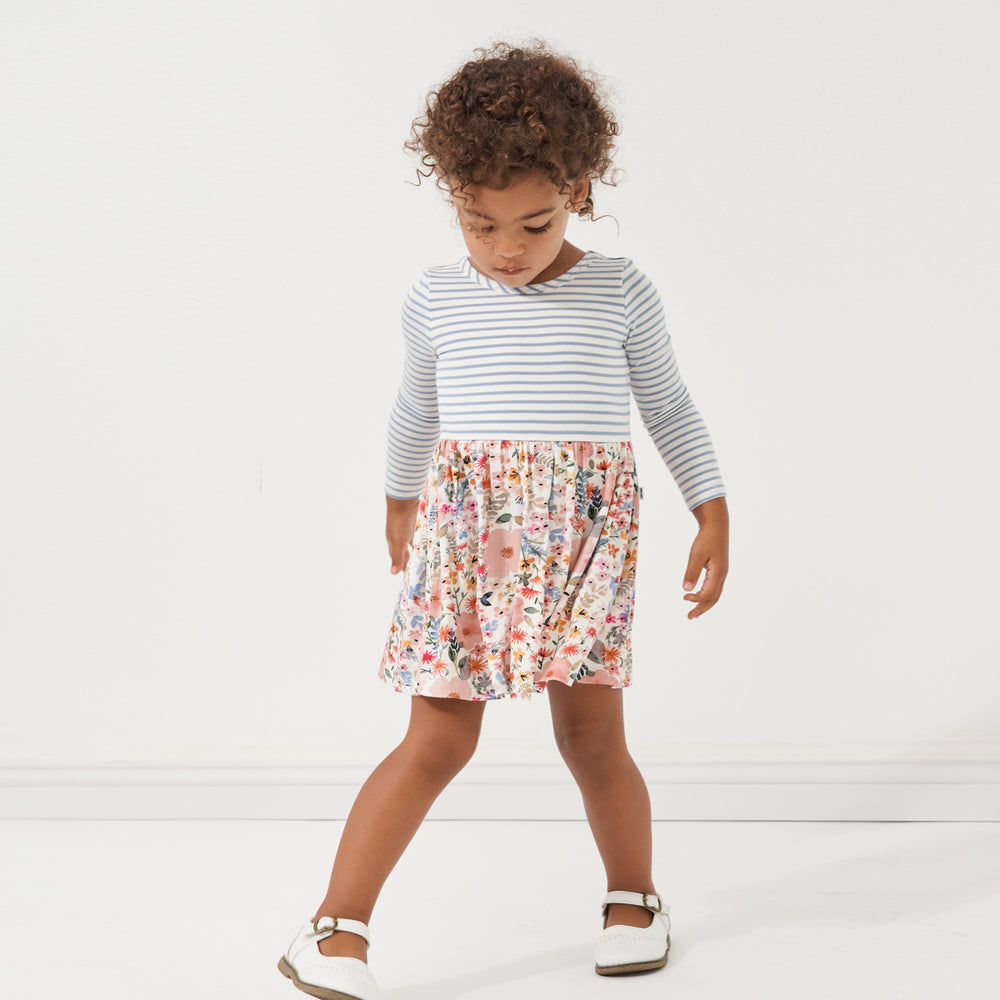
400	557
699	594
709	594
693	571
704	604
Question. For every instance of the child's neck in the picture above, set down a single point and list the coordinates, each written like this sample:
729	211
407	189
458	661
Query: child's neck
567	257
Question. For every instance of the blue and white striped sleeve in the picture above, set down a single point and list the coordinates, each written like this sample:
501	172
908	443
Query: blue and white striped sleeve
413	425
665	405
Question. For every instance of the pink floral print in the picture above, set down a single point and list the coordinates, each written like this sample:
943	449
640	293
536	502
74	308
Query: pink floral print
522	571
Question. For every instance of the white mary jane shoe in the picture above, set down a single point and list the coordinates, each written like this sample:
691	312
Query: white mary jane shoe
322	976
634	949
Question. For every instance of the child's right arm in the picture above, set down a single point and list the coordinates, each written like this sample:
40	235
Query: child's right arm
400	520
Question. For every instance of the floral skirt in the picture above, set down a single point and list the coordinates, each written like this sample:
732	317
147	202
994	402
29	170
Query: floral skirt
522	571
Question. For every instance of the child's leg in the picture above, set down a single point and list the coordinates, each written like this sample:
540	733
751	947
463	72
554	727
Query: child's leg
392	803
590	733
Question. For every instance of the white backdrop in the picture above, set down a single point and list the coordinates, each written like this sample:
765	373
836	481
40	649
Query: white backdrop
207	232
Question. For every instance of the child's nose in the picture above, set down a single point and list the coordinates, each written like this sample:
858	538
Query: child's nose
508	248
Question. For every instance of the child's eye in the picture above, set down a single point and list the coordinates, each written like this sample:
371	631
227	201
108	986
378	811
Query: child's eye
486	230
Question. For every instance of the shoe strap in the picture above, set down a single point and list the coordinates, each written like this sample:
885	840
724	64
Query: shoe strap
325	926
650	900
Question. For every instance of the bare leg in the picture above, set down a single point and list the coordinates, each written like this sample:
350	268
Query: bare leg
588	721
390	807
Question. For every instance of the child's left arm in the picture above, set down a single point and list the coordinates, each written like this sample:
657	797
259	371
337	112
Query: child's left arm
710	552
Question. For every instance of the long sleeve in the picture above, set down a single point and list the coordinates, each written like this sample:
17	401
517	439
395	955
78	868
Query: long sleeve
665	405
413	425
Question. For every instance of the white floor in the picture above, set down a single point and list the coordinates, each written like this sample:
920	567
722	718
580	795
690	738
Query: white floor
804	911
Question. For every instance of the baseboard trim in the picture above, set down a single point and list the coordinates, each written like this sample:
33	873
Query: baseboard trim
856	791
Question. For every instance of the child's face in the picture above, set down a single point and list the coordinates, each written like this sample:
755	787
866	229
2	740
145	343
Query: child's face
516	234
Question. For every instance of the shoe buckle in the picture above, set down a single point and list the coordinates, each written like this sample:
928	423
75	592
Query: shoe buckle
659	902
318	919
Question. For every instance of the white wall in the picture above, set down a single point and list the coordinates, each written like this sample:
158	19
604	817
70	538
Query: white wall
207	231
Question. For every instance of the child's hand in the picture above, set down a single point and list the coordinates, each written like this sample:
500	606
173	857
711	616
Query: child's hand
400	519
710	552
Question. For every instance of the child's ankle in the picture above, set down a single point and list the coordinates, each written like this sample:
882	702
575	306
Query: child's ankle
344	944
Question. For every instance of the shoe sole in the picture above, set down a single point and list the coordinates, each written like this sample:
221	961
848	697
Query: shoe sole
618	970
314	991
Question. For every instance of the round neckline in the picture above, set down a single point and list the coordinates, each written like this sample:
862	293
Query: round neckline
568	275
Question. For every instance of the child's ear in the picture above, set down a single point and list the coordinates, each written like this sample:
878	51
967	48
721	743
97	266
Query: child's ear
580	193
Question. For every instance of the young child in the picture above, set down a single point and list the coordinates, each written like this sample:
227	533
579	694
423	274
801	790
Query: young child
513	498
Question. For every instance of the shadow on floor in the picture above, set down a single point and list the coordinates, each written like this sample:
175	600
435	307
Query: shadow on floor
567	963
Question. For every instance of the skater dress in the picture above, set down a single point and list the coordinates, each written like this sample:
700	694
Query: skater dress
511	426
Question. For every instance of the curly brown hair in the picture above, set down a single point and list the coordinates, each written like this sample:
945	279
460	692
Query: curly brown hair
515	109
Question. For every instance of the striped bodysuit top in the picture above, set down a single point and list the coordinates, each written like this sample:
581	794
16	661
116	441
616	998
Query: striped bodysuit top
553	361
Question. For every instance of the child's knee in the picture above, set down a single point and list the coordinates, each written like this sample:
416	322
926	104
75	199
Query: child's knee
443	737
589	742
444	754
